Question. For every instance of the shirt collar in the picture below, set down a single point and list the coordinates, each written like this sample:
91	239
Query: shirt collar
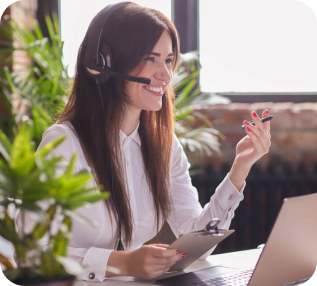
134	135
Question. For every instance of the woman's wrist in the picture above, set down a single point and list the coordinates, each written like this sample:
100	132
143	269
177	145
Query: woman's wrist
118	264
238	174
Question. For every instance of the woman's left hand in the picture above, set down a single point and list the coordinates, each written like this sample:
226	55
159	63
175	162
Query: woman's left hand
257	142
250	148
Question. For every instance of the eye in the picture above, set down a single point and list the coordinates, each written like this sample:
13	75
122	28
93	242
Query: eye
149	59
169	61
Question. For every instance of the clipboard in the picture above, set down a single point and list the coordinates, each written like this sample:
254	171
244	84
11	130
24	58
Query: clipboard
197	243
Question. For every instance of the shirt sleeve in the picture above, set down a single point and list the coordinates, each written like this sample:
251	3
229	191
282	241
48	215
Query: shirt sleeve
93	259
187	213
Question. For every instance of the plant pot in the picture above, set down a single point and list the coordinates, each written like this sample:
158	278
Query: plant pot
40	281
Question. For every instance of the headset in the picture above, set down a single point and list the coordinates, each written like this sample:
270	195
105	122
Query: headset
98	58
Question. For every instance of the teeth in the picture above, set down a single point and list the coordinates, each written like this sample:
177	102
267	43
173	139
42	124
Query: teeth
154	88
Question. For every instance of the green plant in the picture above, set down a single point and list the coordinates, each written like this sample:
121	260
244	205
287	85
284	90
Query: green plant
193	127
37	89
29	183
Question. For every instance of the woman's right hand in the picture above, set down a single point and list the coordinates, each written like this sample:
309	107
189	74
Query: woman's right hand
146	262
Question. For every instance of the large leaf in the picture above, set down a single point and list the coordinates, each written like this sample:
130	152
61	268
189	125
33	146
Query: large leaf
81	200
61	239
80	218
48	265
5	146
49	147
6	262
71	266
22	152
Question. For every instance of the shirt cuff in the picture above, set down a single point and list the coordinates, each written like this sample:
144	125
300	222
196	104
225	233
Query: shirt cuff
228	195
95	264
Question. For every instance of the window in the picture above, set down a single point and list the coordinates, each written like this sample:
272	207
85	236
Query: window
76	16
258	46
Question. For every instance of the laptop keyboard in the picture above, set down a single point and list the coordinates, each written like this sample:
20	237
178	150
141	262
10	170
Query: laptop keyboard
240	278
237	279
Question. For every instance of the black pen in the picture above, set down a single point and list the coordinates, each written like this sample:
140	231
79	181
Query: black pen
262	119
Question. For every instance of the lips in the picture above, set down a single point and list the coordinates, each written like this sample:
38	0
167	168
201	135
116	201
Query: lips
154	89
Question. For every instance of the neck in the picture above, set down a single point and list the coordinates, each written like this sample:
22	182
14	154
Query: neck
130	121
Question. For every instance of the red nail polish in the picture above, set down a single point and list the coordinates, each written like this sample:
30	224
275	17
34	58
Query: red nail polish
184	255
254	114
245	122
177	251
266	112
248	129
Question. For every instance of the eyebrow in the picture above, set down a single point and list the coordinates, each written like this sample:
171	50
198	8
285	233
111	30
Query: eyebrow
158	54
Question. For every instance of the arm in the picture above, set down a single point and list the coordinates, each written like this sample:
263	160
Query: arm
188	215
146	262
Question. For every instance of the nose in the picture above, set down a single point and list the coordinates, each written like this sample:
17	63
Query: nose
164	73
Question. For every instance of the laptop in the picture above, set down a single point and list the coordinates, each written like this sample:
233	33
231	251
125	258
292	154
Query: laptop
288	258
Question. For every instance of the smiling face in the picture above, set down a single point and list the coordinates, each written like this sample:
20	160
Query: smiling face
158	66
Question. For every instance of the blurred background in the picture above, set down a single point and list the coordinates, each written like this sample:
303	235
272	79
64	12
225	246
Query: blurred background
237	56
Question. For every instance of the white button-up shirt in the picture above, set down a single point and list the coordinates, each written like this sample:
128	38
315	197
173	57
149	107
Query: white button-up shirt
91	246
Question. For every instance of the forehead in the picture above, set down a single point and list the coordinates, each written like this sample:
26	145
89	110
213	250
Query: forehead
164	44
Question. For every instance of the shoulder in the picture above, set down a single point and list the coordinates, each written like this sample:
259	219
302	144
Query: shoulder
178	153
56	131
176	144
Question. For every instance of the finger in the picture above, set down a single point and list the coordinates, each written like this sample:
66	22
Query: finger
164	252
266	124
261	145
169	260
162	245
260	129
256	120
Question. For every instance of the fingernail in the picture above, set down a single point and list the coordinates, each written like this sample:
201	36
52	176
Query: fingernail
176	261
184	255
177	251
266	112
254	114
248	129
245	122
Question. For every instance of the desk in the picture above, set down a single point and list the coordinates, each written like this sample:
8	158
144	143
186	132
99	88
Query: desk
240	259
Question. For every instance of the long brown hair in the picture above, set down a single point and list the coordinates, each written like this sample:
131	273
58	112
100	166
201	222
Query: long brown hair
131	32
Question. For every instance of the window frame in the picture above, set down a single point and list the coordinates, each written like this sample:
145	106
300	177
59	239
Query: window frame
185	15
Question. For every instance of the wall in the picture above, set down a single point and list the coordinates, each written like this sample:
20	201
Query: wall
293	130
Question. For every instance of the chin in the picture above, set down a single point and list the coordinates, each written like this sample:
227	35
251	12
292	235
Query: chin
153	108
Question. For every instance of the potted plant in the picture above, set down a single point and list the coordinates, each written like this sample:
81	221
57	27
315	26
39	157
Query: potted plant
28	183
194	128
38	88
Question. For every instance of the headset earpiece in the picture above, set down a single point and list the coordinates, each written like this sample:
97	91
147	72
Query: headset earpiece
98	70
106	57
98	59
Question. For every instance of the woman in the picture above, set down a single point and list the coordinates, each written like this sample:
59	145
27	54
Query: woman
123	130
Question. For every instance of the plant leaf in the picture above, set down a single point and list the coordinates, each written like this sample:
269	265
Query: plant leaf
71	266
6	262
5	146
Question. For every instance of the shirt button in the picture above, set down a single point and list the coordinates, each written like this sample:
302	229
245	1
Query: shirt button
91	275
